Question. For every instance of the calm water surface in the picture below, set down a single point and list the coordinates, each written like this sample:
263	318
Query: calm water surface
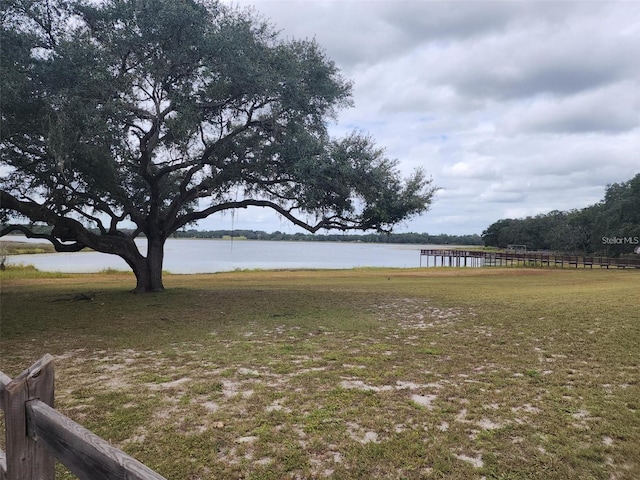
208	256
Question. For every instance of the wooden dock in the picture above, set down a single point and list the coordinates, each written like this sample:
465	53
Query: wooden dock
478	258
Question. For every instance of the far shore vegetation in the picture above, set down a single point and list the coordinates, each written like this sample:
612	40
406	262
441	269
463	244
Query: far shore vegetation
242	234
367	373
610	227
12	247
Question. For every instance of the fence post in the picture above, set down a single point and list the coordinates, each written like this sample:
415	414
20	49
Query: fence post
28	459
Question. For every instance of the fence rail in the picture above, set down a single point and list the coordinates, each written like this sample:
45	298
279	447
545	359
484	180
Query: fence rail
478	258
37	434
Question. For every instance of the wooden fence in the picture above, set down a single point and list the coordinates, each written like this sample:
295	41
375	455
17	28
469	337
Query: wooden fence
37	435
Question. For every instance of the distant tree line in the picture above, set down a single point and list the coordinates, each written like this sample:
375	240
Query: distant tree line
610	227
414	238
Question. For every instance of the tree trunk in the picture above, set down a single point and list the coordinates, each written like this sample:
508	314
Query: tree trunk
149	272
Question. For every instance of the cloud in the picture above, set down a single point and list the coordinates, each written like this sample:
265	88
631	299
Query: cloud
613	108
515	108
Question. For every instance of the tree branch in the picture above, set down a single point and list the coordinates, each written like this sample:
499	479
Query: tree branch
60	247
67	230
326	222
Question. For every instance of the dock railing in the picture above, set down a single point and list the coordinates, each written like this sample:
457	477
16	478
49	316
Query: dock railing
479	258
36	435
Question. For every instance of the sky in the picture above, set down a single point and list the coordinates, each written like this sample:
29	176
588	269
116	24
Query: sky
514	108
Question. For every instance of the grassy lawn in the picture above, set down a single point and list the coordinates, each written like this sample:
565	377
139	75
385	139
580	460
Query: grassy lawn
431	373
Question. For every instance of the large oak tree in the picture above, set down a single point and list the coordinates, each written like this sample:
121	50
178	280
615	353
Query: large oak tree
154	114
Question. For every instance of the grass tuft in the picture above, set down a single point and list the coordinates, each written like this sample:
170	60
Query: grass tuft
26	272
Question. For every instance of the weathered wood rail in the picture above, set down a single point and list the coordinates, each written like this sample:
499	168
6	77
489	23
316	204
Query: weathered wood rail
37	435
477	258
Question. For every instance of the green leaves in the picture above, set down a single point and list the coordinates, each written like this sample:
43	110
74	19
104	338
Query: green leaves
610	227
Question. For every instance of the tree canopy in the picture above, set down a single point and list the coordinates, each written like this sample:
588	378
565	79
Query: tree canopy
159	113
609	227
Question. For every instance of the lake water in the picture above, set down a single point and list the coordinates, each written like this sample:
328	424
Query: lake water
208	256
